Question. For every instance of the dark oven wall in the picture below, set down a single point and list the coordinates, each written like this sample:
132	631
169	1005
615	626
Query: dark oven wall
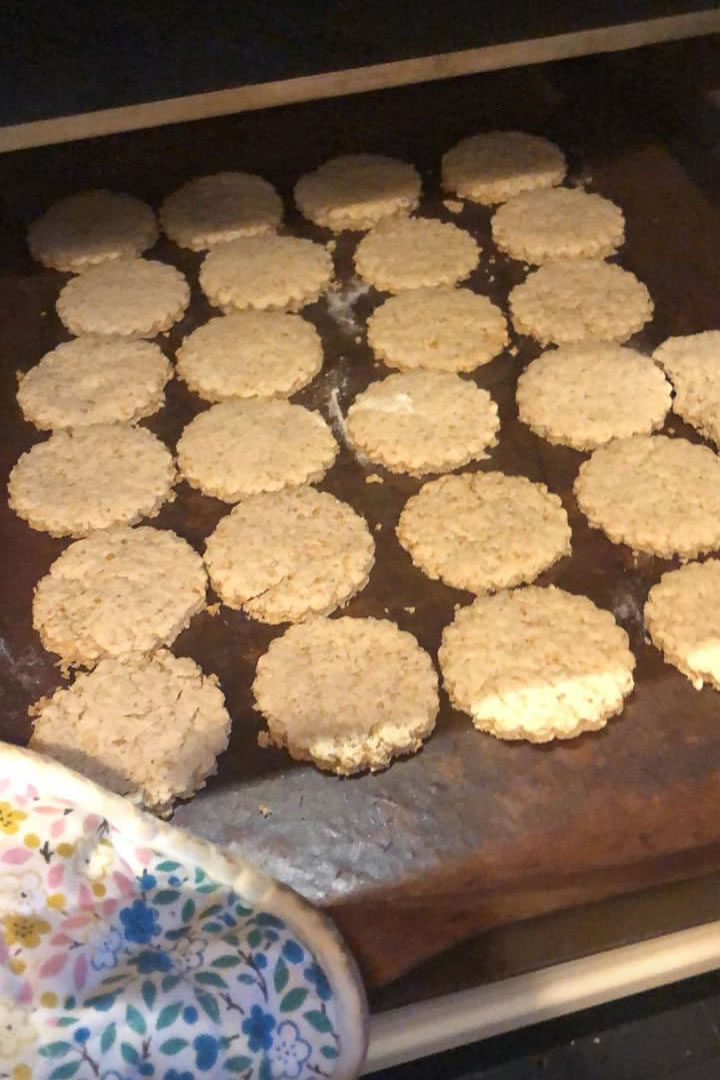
62	59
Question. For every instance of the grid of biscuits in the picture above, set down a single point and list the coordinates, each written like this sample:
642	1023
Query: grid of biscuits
318	281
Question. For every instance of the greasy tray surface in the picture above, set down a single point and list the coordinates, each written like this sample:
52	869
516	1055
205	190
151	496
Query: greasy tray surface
471	832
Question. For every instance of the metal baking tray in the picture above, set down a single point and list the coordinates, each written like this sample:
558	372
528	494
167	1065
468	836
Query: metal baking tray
471	833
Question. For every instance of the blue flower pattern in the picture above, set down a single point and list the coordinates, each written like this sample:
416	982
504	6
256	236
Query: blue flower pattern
140	922
106	953
192	984
289	1053
258	1027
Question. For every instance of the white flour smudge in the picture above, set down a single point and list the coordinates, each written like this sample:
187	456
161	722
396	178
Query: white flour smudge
626	609
337	421
336	414
341	303
27	669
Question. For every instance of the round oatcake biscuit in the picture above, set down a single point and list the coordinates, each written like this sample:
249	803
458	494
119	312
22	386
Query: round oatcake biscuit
90	478
484	531
682	616
150	728
555	223
587	394
94	379
423	422
116	592
495	165
275	272
211	210
347	694
570	300
356	190
438	329
407	252
132	297
283	555
91	227
655	494
536	664
250	354
240	448
693	365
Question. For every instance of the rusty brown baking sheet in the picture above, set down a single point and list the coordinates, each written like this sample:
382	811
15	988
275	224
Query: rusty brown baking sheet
471	833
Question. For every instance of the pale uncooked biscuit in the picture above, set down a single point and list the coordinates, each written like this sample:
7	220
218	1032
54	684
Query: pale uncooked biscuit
536	664
693	364
132	297
91	227
149	728
117	592
423	422
94	379
250	354
406	253
654	494
682	616
555	223
261	272
356	190
484	531
240	448
570	300
495	165
438	329
587	394
211	210
284	555
347	694
90	478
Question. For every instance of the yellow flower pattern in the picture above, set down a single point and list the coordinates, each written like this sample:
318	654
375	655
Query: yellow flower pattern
16	1028
24	930
10	818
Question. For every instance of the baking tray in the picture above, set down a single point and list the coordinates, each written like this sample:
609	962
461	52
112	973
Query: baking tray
471	833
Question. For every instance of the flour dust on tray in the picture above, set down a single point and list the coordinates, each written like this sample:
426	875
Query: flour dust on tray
495	165
91	227
90	478
536	664
94	379
692	364
653	493
555	223
250	354
266	272
210	210
484	531
356	190
423	422
407	253
682	616
570	300
584	395
132	297
119	591
148	728
437	329
283	555
347	694
240	448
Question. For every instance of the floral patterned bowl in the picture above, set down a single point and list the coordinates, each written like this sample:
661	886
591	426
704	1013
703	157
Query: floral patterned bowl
129	948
